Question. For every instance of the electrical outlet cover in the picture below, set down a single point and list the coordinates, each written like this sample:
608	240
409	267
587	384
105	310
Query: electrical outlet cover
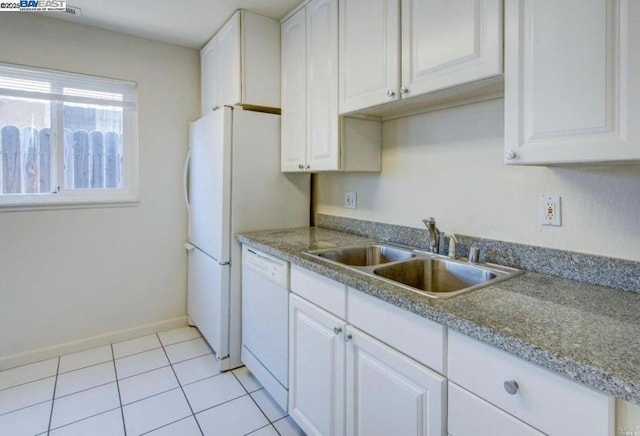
350	200
550	210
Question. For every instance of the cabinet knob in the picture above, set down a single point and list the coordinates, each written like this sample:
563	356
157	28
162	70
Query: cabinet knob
337	330
300	166
391	94
404	90
511	386
510	155
215	108
348	337
307	167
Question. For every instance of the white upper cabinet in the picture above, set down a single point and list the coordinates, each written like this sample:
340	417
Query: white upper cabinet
314	136
294	92
445	43
229	63
369	53
322	85
209	72
241	63
449	42
572	91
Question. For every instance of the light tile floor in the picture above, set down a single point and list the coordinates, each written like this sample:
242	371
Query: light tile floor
159	385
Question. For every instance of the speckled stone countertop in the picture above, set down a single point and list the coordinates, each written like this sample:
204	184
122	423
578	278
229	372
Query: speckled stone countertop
585	332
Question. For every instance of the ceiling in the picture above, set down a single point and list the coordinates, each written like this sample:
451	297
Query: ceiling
189	23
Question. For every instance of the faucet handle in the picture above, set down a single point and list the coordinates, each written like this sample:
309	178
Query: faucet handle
474	254
452	245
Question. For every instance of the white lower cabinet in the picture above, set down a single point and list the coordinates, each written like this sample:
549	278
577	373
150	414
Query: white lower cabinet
419	338
388	380
316	368
342	381
390	394
469	415
546	401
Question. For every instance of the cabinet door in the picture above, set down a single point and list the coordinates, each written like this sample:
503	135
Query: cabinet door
209	77
316	368
260	60
369	53
571	91
323	151
229	61
449	42
469	415
388	393
294	92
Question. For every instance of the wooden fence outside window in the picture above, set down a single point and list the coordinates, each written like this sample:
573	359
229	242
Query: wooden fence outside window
92	160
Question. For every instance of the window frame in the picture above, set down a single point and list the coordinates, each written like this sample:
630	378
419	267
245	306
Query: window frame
62	197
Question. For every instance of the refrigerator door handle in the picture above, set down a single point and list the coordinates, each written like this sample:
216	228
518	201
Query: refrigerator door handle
185	181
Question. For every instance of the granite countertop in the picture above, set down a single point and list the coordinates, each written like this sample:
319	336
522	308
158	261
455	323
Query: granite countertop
585	332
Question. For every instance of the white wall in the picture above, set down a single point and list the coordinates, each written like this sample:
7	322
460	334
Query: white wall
448	164
66	275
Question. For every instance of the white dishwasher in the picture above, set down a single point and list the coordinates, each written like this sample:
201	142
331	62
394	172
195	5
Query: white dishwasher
265	321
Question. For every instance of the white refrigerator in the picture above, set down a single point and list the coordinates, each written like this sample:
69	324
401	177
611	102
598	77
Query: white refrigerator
233	184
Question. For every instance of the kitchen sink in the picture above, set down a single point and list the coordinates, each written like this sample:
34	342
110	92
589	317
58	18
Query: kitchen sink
364	255
426	273
436	275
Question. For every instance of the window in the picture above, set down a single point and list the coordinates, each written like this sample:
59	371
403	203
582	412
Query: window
66	139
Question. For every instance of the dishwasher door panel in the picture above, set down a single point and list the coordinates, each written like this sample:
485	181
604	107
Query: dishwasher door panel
265	310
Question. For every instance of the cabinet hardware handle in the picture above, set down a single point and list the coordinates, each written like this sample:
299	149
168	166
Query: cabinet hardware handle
404	90
348	337
510	155
337	330
300	166
215	108
391	94
307	167
511	386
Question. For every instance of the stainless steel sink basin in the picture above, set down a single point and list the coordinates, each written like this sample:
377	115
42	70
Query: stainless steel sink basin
436	275
364	255
425	273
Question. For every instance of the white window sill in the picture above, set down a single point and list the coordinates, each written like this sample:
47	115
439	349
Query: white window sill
26	203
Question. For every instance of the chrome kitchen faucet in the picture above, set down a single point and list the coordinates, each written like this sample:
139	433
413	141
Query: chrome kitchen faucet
434	234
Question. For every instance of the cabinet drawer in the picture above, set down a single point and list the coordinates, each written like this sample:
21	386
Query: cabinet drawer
547	401
417	337
471	416
326	293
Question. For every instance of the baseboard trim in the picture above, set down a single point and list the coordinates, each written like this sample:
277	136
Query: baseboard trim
88	343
